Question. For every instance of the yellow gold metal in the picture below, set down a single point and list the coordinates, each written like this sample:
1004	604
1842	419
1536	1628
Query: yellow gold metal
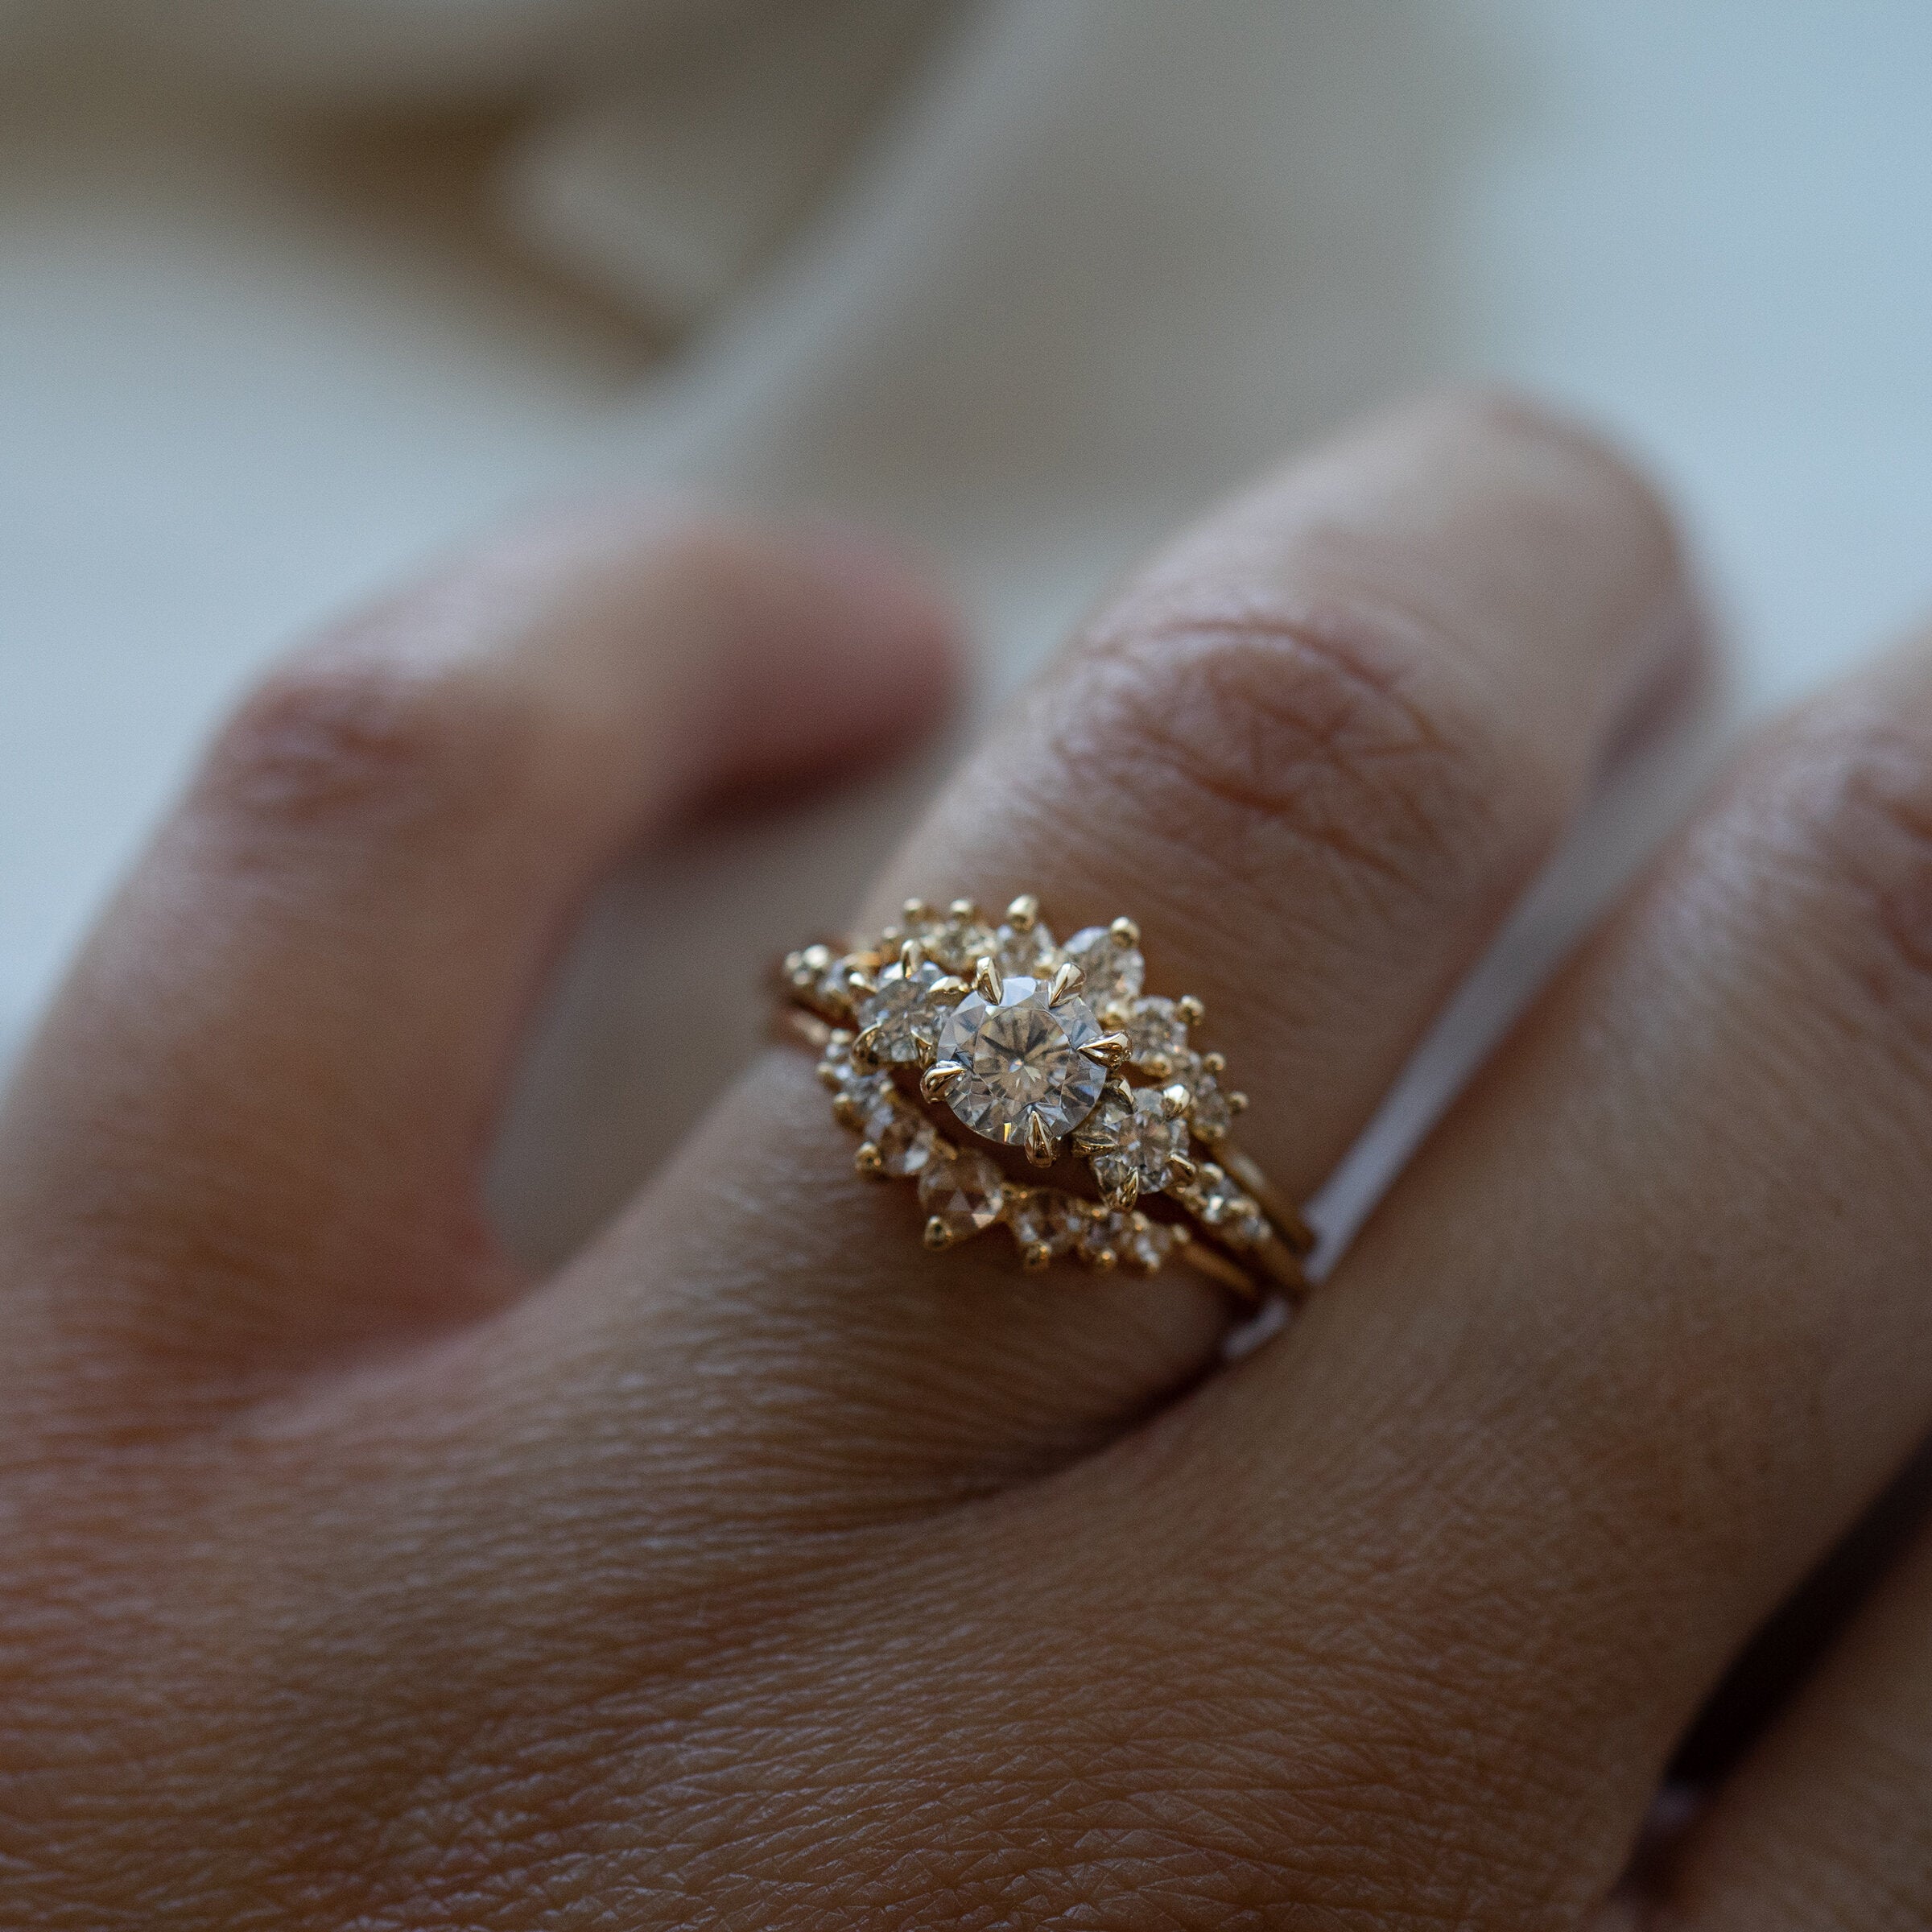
1214	1209
1068	979
938	1077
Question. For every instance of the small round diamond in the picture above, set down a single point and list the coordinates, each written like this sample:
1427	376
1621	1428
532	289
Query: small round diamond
1114	969
1023	1062
1148	1244
962	1190
1030	952
899	1007
955	938
906	1144
1144	1145
1156	1035
1043	1219
833	991
1102	1236
1210	1115
1250	1228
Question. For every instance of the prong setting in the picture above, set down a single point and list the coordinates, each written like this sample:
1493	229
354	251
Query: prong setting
938	1077
1055	1052
1108	1050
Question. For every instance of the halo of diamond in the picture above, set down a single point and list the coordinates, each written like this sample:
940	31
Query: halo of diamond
974	1001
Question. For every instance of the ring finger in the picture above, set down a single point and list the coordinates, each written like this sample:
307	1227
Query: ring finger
1314	750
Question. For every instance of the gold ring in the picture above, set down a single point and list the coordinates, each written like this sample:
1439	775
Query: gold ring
956	1049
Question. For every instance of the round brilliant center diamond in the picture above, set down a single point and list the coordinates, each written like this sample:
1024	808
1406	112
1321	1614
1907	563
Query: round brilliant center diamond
1023	1062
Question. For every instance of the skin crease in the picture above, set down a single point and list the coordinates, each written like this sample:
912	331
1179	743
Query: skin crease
761	1571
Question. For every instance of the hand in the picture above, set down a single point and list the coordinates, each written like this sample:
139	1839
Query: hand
761	1571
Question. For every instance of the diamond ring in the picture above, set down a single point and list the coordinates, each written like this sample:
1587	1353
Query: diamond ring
1038	1087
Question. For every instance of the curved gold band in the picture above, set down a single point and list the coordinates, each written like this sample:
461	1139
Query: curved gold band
955	1049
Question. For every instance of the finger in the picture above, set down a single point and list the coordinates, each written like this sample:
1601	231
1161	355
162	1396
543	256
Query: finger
1314	750
272	1076
1828	1823
1635	1340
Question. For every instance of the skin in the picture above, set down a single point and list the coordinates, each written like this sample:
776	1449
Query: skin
759	1570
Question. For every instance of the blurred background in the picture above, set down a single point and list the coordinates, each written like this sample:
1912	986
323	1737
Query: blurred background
293	291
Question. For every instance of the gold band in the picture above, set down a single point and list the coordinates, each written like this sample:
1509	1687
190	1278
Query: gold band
956	1050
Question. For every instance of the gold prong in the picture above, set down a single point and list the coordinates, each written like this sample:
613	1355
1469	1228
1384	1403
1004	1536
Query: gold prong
1125	931
1237	1102
938	1077
1175	1101
938	1235
949	991
1035	1256
917	910
1190	1010
1039	1142
1122	1196
830	1076
1104	1261
1108	1050
1181	1167
1069	979
964	911
868	1161
1179	1235
1215	1062
847	1112
912	956
1159	1065
987	983
1023	912
859	981
864	1047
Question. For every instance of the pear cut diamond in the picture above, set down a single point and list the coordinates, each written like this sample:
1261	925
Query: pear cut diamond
1023	1062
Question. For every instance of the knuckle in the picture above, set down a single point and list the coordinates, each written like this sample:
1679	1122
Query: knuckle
1338	735
1836	818
346	737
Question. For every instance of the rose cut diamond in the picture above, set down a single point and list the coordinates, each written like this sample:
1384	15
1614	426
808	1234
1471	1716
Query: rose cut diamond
1023	1062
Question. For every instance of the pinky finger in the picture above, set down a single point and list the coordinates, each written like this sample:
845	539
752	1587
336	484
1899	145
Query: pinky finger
1828	1825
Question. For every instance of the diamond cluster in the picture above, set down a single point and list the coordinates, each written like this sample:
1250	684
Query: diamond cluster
1051	1049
